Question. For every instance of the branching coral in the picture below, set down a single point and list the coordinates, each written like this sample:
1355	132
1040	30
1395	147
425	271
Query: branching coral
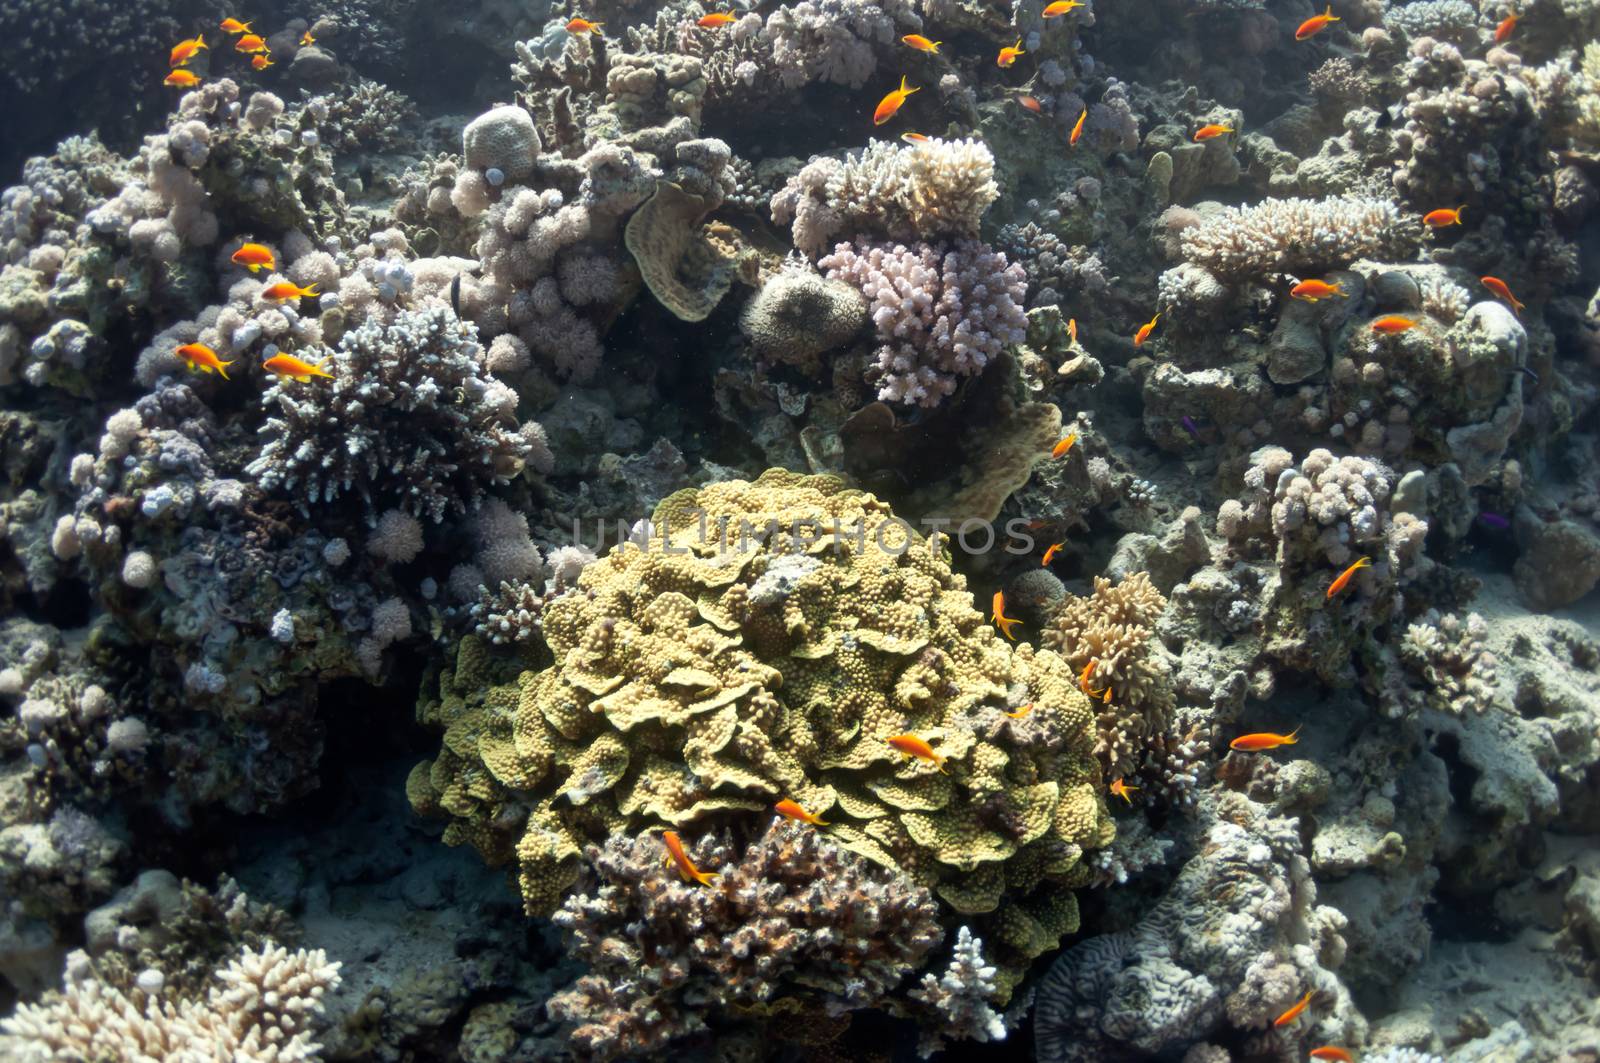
791	914
1448	655
701	684
411	419
1295	236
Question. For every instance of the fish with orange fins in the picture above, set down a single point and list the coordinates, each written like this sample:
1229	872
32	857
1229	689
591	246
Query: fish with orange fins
1077	128
792	810
202	359
680	859
1020	713
1316	24
583	25
921	43
1503	29
1145	330
1059	8
1050	553
915	138
1294	1013
1264	740
1084	677
1072	329
1443	217
287	365
999	617
181	79
1500	288
261	62
1313	290
890	105
234	26
1332	1052
1064	444
716	20
184	51
1029	103
1342	580
1211	132
1123	790
1009	55
306	40
250	42
1389	324
283	291
255	258
912	746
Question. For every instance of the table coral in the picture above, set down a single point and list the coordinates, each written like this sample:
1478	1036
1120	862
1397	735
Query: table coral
683	693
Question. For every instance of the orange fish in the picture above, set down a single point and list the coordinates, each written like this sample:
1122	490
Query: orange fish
1389	324
1313	290
1294	1012
999	617
1438	219
1123	790
793	810
1072	328
255	258
306	39
1211	132
250	42
1145	330
1030	103
1255	743
184	51
261	62
890	104
283	291
1050	553
716	21
1316	24
1064	445
1343	579
915	138
1498	286
233	25
1506	25
1083	678
583	25
287	365
1059	8
913	746
1020	713
921	43
680	859
1333	1052
181	79
1077	127
1009	55
203	359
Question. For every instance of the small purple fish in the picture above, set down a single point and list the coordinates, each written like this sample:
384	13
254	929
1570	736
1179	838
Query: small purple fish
1494	520
1190	426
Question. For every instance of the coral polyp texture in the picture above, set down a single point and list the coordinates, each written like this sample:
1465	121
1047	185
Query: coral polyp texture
891	526
691	688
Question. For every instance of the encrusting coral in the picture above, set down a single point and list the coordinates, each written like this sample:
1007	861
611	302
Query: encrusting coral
690	687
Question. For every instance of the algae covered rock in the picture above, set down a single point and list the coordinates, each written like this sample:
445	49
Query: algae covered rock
765	645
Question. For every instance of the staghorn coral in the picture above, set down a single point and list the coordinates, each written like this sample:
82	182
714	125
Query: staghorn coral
961	997
704	684
939	188
411	419
1295	236
940	313
261	1010
792	914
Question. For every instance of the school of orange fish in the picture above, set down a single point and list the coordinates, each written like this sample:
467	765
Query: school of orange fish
257	257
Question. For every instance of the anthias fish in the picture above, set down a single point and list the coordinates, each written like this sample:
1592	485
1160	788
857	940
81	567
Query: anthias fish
1009	55
1438	219
1313	290
680	859
792	810
254	257
1263	740
181	79
1211	132
1123	790
716	20
234	26
1332	1052
890	105
1342	580
1077	127
1390	324
283	291
1294	1012
583	25
1064	444
1316	24
1059	8
184	51
999	617
203	359
1145	330
912	746
921	43
287	365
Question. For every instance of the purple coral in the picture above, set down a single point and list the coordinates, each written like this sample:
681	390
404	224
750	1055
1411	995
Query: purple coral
942	313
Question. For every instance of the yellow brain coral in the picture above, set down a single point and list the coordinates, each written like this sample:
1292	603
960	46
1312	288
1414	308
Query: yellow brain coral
704	678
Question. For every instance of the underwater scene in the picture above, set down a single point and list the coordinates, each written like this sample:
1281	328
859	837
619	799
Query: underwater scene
828	531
